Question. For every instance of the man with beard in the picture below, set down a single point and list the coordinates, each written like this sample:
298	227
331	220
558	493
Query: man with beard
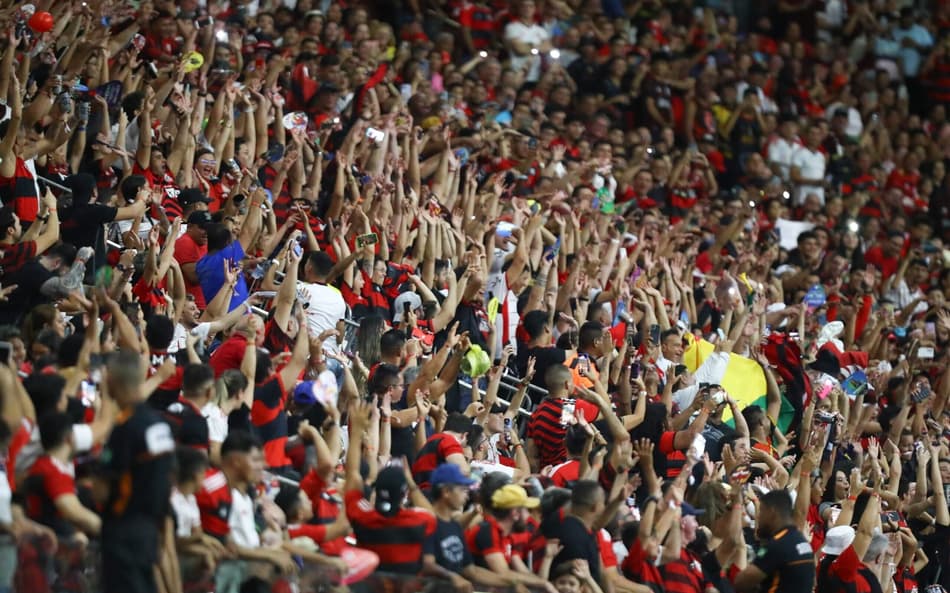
785	561
490	540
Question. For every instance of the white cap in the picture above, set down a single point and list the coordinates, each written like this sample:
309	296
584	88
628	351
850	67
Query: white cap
837	540
414	300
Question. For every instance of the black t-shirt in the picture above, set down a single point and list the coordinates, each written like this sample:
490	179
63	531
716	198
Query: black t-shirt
937	548
472	318
447	544
578	542
788	562
714	435
712	569
139	460
746	136
83	227
545	358
662	97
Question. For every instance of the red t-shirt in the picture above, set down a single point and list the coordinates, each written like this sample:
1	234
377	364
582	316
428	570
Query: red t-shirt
214	502
326	508
566	473
189	252
229	355
887	265
638	568
47	481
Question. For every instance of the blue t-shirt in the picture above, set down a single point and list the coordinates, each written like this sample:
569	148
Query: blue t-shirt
210	270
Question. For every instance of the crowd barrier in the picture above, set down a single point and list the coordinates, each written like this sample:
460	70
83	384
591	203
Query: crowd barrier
72	568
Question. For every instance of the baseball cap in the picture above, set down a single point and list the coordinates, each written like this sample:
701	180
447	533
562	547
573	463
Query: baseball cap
200	219
192	195
688	509
837	540
391	488
449	474
414	300
512	496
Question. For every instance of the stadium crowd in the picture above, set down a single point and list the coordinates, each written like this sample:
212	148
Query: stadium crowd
627	296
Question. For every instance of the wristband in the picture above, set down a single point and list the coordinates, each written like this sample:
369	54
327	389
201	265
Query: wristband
384	419
852	498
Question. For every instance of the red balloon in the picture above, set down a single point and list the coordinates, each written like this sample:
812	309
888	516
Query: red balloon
41	21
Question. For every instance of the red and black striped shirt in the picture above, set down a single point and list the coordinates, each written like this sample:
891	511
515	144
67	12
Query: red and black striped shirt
545	429
485	539
433	454
397	540
270	418
684	575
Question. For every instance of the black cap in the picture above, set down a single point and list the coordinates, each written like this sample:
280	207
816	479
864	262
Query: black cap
498	408
391	488
840	112
192	195
200	219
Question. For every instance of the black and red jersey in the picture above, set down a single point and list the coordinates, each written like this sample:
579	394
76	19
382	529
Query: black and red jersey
326	508
269	416
214	502
47	481
433	454
397	540
486	539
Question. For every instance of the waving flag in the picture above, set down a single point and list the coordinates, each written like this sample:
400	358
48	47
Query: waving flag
741	377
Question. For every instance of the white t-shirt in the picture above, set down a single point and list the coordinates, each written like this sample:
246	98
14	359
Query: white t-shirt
217	422
325	309
187	514
534	35
6	496
780	153
812	166
241	521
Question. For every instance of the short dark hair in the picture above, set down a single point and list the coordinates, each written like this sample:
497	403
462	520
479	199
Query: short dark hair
380	376
130	186
190	461
159	332
584	494
196	376
7	218
575	439
55	428
45	391
320	262
670	332
779	501
391	342
239	441
535	322
590	332
288	499
458	422
219	236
